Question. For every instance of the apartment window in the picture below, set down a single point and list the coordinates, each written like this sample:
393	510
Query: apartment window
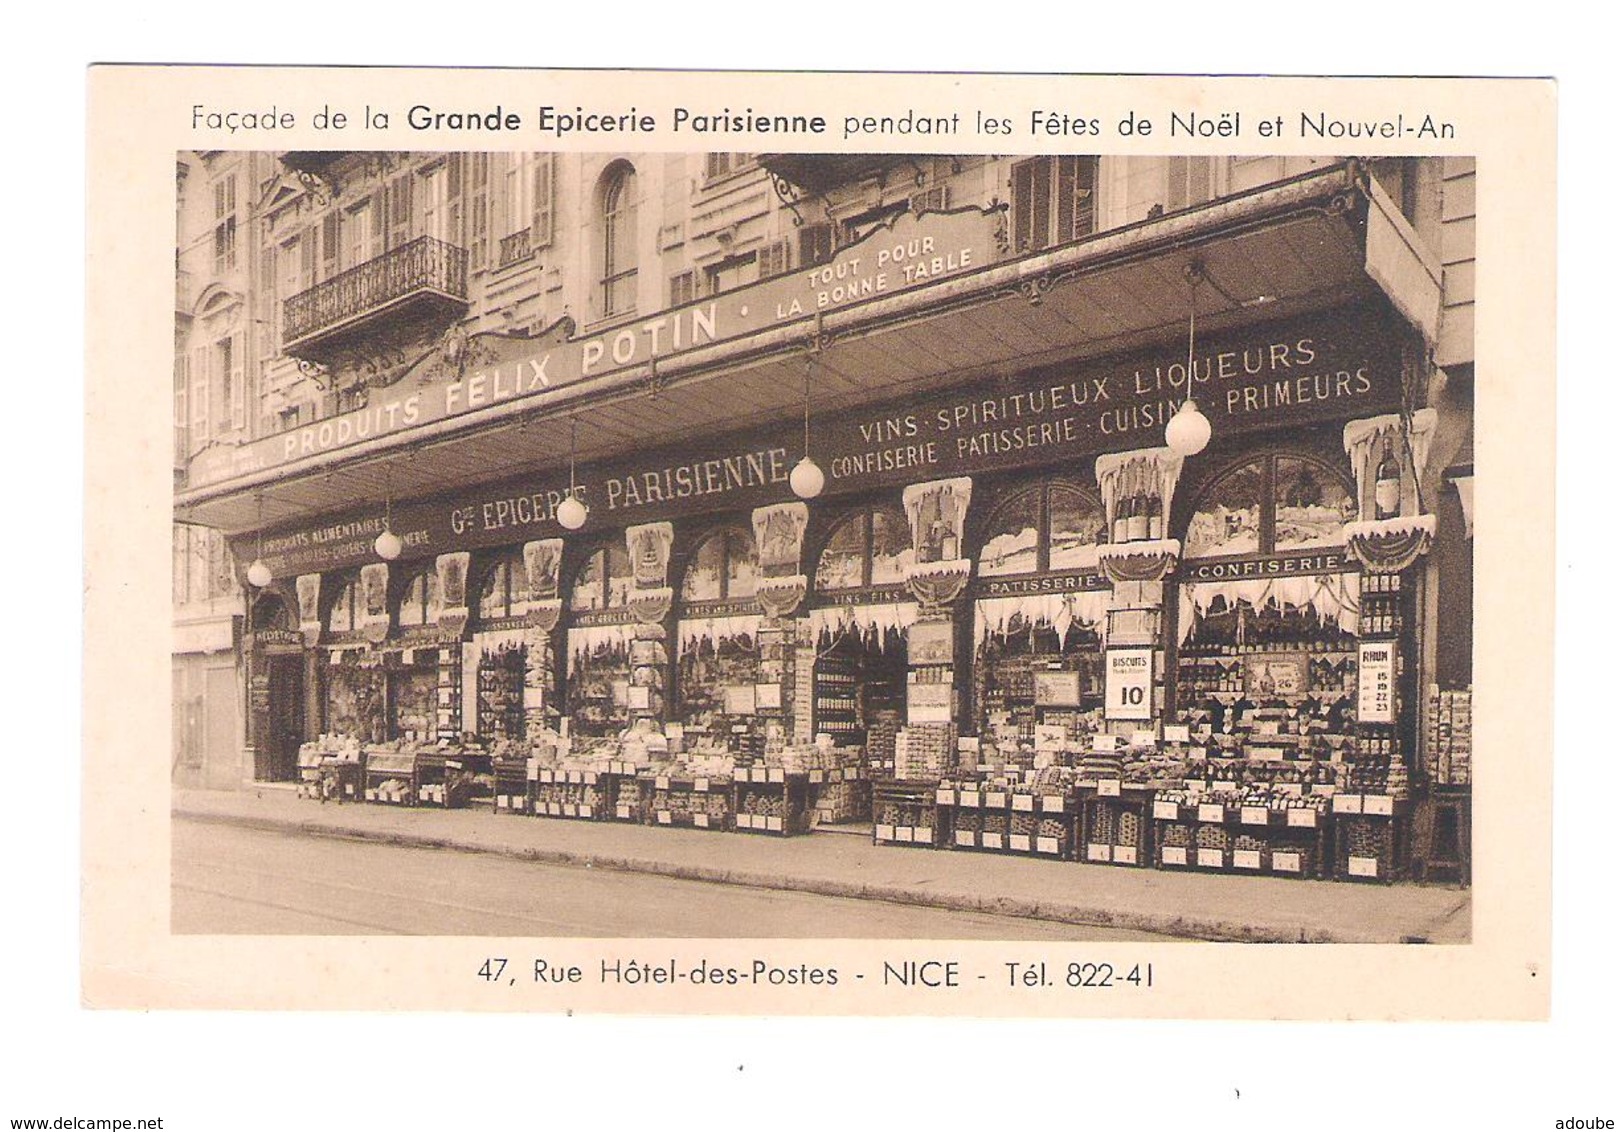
479	191
617	282
330	243
225	224
398	193
719	165
1052	201
1190	181
434	201
182	380
772	260
734	271
682	288
363	231
226	359
817	243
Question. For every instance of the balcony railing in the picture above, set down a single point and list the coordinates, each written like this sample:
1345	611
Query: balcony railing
424	264
513	248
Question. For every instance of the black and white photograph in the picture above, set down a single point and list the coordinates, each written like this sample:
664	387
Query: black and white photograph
824	545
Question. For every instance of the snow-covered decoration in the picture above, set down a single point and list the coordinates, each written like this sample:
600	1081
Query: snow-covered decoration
650	606
375	601
1463	488
1386	546
1147	560
541	564
649	547
936	513
452	571
778	596
586	641
1363	442
543	615
492	645
1216	531
1079	609
872	621
938	583
1144	471
1333	597
695	631
309	587
779	530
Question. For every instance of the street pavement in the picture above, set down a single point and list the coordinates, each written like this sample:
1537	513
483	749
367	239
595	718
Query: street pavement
230	880
1186	905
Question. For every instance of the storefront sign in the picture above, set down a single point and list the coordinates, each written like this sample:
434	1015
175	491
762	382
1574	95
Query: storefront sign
1378	662
1280	566
1320	368
1038	584
908	253
1128	677
272	638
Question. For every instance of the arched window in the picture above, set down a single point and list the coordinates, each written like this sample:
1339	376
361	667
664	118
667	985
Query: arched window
723	569
871	548
420	601
271	612
1055	526
344	615
505	587
1274	503
604	580
617	286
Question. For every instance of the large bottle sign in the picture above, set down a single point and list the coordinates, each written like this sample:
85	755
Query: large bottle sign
1129	674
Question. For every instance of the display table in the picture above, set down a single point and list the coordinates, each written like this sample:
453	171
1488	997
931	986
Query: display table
905	813
1115	823
1233	837
770	800
998	820
1370	839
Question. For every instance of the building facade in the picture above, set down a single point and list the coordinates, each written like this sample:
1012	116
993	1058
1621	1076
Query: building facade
979	355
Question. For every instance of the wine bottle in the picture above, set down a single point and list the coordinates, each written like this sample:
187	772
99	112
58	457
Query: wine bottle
1154	510
1387	482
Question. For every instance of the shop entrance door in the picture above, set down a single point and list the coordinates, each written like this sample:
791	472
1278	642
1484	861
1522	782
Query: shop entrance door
285	722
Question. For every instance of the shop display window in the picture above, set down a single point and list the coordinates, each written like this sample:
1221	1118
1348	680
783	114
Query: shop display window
717	644
724	568
871	548
504	587
1054	526
1268	505
420	601
344	615
413	689
500	689
604	580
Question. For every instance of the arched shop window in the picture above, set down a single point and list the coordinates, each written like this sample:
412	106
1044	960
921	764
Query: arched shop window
723	569
1038	658
871	548
344	614
718	665
860	676
1054	526
1270	659
1274	503
604	580
420	601
599	645
503	652
504	587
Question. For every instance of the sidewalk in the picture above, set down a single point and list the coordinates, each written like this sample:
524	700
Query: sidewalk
1197	906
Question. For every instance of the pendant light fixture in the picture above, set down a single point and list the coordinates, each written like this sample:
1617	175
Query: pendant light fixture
572	512
388	543
259	574
806	478
1189	430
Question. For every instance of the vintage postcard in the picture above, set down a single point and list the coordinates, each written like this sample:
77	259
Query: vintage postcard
762	543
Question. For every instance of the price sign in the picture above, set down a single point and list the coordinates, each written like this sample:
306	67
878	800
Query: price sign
964	837
1125	855
923	834
1347	804
1100	853
1048	844
701	785
1020	842
702	821
992	840
1209	812
1362	866
996	800
1378	663
969	798
904	833
944	797
1301	819
1210	858
1166	811
1254	815
1379	804
1129	674
1248	859
1110	788
1286	862
774	823
1021	803
1175	855
884	833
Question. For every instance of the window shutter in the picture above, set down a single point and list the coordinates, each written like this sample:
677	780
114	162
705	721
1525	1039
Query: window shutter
329	245
1084	179
541	221
1030	193
478	212
400	211
183	378
817	243
773	259
199	373
239	382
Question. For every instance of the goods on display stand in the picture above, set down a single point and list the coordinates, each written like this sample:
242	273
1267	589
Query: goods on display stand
1447	737
330	768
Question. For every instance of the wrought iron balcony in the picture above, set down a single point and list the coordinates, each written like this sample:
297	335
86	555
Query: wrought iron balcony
419	281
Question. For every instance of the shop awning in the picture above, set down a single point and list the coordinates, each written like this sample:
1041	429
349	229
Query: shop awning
1288	249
